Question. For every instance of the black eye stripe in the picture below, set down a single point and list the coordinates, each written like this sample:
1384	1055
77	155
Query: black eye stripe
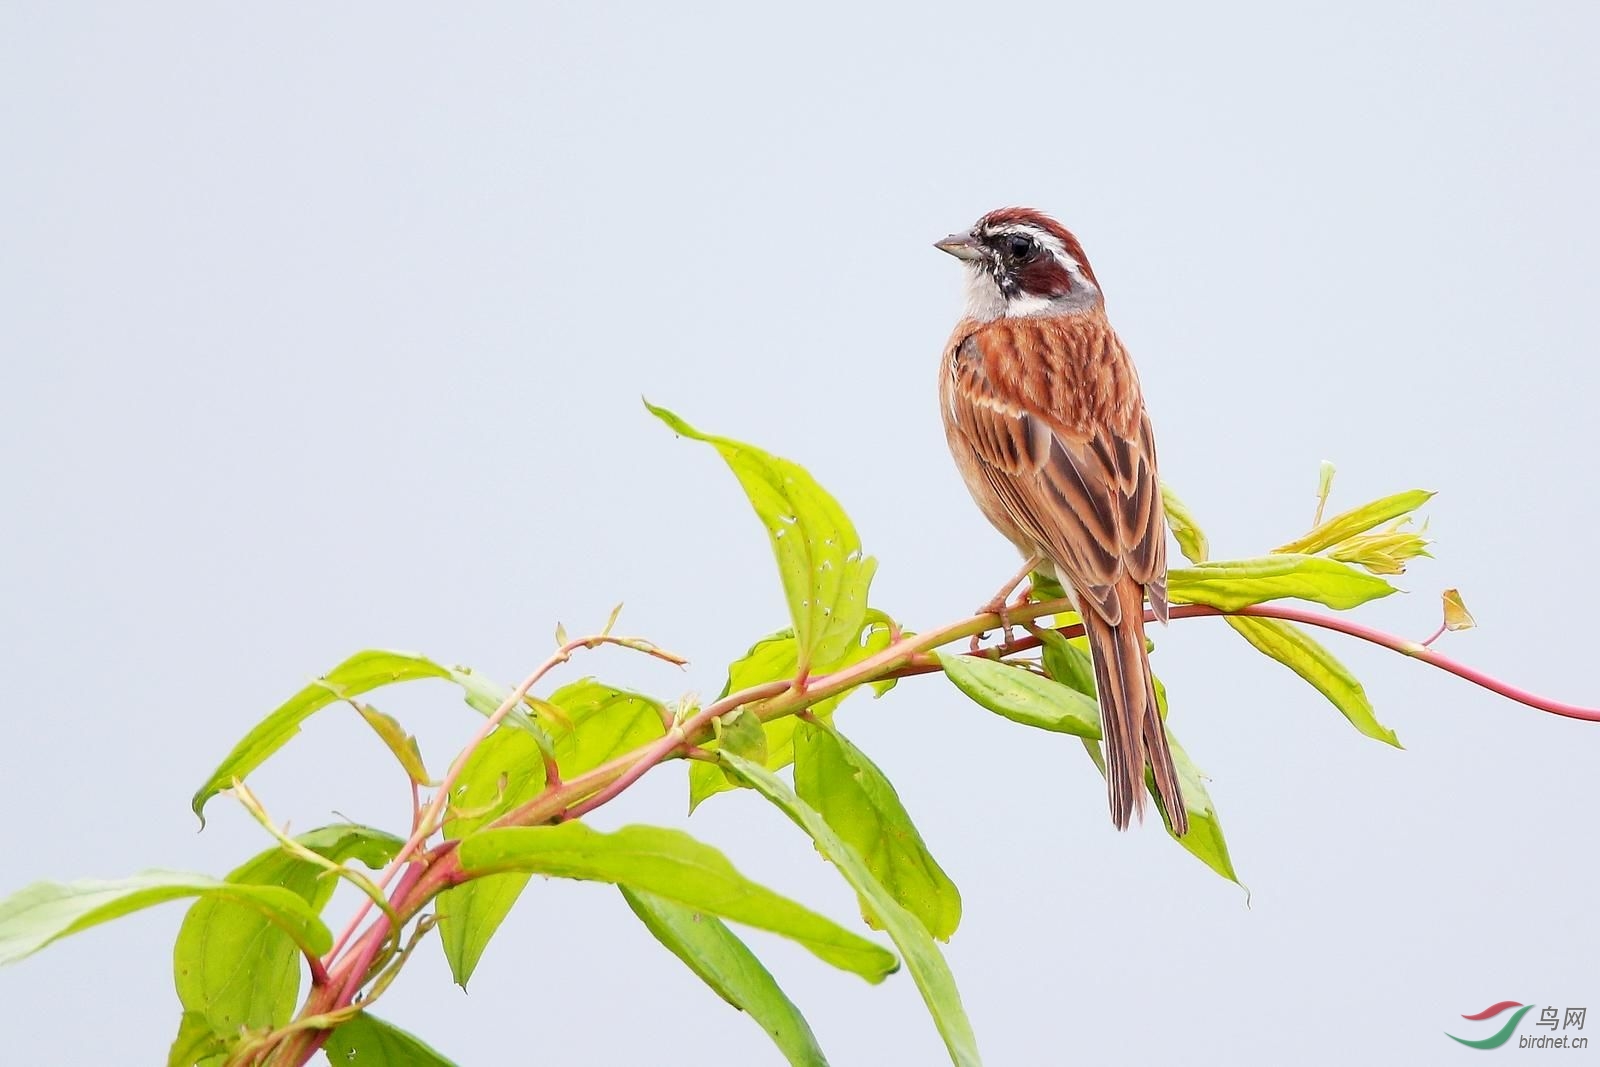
1019	246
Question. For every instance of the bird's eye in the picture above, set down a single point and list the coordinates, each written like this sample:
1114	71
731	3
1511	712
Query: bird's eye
1020	247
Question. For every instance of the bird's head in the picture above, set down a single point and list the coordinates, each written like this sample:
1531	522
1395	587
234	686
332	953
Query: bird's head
1021	262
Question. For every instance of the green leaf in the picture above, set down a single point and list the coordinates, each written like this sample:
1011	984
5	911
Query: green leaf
195	1042
367	1041
825	576
715	953
773	658
38	914
1022	696
401	745
1295	649
1233	584
1066	659
359	674
505	771
1204	840
855	798
232	966
597	722
923	959
585	724
674	865
741	731
1191	539
1358	520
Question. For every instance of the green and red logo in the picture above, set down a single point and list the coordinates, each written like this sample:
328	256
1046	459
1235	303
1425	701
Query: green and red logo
1503	1035
1551	1017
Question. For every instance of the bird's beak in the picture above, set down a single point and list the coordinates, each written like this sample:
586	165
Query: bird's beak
961	245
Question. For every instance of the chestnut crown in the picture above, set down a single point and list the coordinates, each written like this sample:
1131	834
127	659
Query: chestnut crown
1021	262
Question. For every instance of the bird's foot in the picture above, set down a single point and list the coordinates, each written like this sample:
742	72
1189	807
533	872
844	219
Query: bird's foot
1003	608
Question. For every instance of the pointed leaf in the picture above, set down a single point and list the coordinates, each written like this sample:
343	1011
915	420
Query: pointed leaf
1022	696
1385	552
1191	539
855	798
38	914
1233	584
232	966
585	724
712	951
825	576
359	674
1295	649
367	1041
505	771
1204	840
1357	520
923	958
674	865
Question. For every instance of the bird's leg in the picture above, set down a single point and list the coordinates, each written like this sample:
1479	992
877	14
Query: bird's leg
1001	604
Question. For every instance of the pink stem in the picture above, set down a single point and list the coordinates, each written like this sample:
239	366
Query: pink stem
1414	649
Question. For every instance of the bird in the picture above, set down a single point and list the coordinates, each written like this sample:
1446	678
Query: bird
1047	423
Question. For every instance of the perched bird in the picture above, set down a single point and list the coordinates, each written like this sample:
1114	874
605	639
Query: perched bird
1046	421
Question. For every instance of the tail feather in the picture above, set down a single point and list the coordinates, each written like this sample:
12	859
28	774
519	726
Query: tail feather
1129	717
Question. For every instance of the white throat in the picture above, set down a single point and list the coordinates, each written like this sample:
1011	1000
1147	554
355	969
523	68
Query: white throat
986	302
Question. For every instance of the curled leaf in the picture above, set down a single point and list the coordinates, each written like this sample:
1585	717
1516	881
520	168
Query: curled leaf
1191	539
401	744
1456	615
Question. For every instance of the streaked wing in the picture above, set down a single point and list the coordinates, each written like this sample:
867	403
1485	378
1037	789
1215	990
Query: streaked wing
1091	501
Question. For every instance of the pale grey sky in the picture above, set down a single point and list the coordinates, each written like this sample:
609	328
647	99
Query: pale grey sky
326	329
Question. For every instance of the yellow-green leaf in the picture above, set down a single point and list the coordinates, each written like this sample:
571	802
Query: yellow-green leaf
671	864
825	575
1295	649
401	745
923	958
1022	696
231	964
38	914
856	799
1233	584
359	674
771	659
1357	520
1191	539
715	953
585	724
368	1041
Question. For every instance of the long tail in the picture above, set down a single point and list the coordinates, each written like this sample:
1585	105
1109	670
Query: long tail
1129	716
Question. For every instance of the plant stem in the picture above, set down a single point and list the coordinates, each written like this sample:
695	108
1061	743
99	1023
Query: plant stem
438	869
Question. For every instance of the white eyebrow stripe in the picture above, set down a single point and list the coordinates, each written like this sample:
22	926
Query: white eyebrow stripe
1049	241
